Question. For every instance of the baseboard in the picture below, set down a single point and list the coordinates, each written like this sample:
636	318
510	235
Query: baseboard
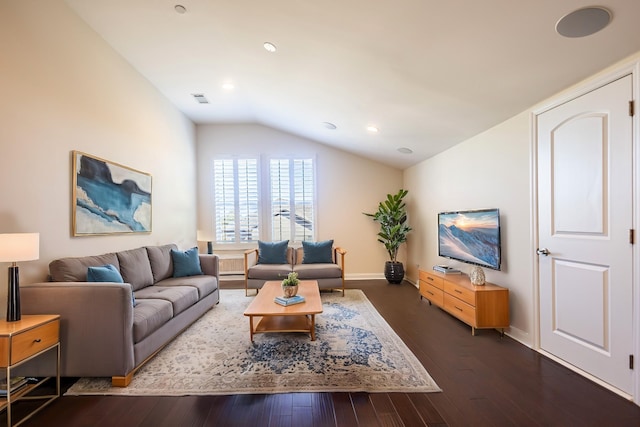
225	277
364	276
519	335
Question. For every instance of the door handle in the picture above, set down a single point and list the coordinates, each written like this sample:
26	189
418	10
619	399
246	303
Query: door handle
543	251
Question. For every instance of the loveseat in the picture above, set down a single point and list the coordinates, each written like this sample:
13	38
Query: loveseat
109	329
319	261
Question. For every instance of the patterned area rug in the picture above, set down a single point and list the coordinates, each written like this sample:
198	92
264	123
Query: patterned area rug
355	350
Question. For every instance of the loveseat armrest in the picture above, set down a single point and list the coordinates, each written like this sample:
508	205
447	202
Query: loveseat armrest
250	259
210	264
339	257
96	324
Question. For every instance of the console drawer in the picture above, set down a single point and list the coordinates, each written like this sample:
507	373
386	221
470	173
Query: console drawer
466	295
433	294
432	279
460	309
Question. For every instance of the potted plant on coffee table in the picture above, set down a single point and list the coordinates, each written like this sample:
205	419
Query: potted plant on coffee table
392	217
290	285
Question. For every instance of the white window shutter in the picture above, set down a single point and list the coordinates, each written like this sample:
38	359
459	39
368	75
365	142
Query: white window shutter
236	200
292	199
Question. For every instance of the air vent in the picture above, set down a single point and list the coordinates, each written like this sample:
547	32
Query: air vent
200	98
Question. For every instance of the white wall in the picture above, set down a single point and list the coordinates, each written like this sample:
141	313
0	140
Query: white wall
347	185
63	88
490	170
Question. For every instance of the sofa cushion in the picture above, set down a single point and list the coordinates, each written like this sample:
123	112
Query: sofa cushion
148	316
269	271
75	269
317	271
104	273
180	297
205	284
186	263
272	252
317	252
161	262
135	268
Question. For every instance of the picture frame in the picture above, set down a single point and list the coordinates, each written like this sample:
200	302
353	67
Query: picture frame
109	198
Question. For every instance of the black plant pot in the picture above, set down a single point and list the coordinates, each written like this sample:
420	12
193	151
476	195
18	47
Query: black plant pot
394	272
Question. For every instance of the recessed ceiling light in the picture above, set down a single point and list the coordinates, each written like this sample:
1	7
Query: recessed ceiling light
583	22
180	9
329	125
228	86
372	129
270	47
405	150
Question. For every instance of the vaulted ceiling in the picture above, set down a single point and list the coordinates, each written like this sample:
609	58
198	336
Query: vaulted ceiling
427	74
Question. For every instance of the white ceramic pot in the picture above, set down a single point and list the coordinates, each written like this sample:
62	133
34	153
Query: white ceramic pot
476	275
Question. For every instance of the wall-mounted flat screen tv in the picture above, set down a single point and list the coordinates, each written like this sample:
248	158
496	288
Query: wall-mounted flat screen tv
471	236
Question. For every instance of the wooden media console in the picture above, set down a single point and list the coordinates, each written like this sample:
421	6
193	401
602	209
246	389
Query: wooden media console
481	307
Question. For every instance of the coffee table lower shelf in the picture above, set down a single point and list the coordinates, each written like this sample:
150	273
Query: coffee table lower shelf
296	323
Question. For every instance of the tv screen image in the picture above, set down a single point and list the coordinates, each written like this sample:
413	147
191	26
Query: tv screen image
472	237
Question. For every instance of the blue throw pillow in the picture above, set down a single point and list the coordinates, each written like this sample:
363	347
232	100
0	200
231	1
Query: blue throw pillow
104	273
186	263
272	252
107	273
317	252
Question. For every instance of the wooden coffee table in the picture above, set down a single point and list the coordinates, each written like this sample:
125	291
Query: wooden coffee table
267	316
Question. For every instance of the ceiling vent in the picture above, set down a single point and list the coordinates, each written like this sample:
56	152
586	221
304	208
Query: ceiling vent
200	98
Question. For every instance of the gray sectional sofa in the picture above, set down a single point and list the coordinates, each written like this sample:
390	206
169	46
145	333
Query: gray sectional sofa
110	329
329	275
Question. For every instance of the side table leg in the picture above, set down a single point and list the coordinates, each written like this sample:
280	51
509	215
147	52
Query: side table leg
251	328
8	390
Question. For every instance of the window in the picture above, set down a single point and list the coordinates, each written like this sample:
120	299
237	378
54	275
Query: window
290	195
236	200
292	199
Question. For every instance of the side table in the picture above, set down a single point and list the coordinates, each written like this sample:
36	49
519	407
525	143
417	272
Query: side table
20	342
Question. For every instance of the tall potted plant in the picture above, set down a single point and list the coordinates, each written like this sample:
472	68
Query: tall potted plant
392	217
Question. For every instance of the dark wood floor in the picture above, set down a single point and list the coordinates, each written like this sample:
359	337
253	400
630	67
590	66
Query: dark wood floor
486	380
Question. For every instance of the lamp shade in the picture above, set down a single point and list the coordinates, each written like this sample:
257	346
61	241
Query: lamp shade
203	236
16	247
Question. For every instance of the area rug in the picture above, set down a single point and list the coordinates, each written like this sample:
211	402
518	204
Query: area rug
355	350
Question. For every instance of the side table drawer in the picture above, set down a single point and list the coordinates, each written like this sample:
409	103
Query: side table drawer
32	341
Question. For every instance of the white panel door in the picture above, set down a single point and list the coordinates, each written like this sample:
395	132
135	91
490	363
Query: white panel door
585	214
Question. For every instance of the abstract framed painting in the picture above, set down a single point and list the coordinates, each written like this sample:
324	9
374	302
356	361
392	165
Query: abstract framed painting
109	198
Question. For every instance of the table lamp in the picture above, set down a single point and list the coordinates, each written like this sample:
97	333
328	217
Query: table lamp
16	247
205	236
